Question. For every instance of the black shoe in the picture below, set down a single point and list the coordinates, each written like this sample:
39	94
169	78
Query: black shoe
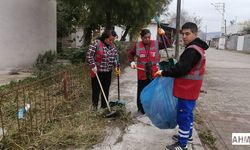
176	136
93	108
176	146
103	106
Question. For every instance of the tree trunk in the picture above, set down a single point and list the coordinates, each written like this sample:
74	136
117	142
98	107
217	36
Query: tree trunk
108	21
123	38
87	36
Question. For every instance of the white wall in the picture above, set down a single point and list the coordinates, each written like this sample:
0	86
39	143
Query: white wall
240	43
27	28
222	42
77	38
152	27
119	31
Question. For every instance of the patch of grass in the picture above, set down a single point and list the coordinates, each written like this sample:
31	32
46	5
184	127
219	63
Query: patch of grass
208	138
75	126
204	133
73	123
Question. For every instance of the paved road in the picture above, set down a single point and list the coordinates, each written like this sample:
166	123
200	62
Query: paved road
226	105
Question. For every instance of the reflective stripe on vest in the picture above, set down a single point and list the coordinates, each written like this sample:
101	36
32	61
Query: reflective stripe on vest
156	47
196	75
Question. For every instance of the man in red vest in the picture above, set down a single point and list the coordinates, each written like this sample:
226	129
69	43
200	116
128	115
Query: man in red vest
188	73
147	54
102	58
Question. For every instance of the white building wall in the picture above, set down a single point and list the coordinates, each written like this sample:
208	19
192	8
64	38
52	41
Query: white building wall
119	31
240	43
152	27
79	37
27	28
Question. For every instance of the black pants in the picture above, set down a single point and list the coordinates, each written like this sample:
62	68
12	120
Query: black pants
140	86
105	78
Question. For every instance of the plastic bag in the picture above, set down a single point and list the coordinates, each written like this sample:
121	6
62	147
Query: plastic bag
159	103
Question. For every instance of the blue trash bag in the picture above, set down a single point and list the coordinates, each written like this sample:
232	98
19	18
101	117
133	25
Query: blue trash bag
159	103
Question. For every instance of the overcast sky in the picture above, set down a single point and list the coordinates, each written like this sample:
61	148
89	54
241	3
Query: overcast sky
238	10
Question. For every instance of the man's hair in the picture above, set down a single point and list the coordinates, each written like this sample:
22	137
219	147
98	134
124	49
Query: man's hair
190	25
144	32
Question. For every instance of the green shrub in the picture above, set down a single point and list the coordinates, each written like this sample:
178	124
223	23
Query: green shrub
45	59
75	55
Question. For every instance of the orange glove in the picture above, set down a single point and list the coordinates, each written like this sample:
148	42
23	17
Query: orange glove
158	73
117	71
161	31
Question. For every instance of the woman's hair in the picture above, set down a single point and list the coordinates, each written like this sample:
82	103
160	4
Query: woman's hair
107	33
144	32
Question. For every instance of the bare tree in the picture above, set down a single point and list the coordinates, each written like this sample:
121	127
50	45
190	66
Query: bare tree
185	17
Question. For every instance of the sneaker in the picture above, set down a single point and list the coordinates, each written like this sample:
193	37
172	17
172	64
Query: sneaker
176	146
176	136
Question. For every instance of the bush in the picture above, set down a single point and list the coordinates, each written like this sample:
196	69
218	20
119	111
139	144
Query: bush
75	55
45	59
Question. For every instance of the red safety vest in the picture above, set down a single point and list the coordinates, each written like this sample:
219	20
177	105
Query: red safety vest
145	56
98	57
188	87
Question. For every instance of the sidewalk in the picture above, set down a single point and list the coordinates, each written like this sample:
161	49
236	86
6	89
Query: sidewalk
141	135
6	78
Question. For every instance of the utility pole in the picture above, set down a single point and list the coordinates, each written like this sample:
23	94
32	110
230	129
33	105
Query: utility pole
220	7
205	33
177	43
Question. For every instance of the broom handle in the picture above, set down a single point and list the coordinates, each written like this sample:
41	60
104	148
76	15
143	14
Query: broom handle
118	86
157	20
165	45
102	91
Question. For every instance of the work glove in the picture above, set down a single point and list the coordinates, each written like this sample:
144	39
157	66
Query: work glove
94	69
161	31
158	73
133	65
117	71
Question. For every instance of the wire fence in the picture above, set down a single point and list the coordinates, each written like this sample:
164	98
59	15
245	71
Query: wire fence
25	108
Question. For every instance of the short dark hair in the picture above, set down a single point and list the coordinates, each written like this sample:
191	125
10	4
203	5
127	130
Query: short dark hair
190	25
144	32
